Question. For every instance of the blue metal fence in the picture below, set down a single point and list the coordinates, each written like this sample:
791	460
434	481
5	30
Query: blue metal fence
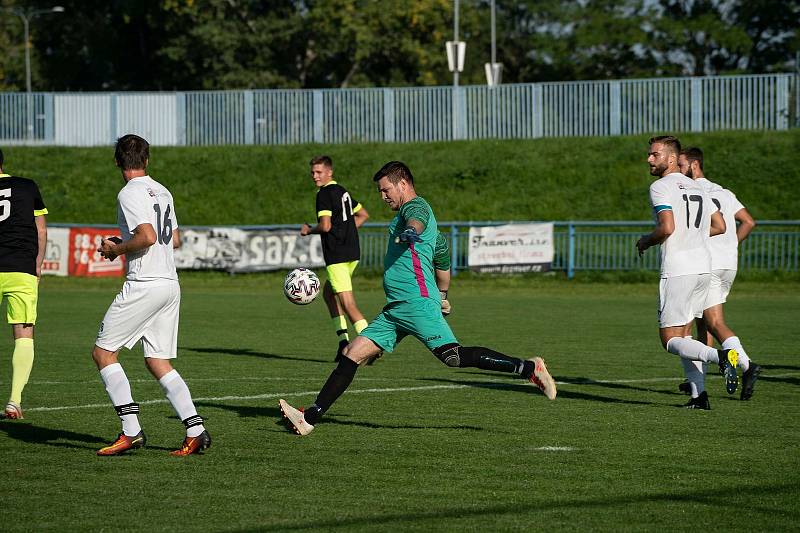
409	114
604	246
774	245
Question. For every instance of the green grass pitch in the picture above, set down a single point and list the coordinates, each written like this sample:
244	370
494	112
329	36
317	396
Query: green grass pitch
413	446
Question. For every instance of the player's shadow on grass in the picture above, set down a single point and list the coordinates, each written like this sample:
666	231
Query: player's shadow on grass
338	420
789	380
434	518
246	411
528	388
780	367
253	353
616	386
34	434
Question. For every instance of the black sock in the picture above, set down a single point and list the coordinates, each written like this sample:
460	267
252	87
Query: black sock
487	359
337	383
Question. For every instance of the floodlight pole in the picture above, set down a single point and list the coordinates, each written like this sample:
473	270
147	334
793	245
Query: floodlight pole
455	40
26	18
494	40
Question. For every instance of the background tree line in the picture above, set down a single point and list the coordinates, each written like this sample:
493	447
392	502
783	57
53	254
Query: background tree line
234	44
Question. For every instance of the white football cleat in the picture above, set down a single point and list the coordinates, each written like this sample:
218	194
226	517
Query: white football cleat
542	378
295	418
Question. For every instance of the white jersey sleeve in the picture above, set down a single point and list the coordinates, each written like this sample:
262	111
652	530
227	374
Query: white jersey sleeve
145	201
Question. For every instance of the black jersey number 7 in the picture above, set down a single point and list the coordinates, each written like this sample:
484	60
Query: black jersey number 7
164	231
699	216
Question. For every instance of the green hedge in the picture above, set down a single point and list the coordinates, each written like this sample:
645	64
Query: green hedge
542	179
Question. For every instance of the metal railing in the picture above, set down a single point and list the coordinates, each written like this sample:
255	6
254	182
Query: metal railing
411	114
608	246
774	245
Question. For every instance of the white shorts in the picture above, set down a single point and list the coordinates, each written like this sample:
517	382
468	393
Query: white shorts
681	299
146	310
719	287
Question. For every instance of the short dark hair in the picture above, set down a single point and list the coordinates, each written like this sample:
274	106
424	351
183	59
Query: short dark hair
669	141
395	171
693	153
322	160
1	159
132	152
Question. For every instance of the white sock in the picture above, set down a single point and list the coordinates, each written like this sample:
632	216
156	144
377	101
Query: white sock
733	343
181	399
119	390
693	370
688	348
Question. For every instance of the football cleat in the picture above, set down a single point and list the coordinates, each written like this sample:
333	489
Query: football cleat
749	381
123	444
295	418
542	378
685	387
701	402
13	411
727	367
193	445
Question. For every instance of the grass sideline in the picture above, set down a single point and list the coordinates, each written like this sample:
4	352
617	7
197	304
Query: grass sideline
602	178
414	445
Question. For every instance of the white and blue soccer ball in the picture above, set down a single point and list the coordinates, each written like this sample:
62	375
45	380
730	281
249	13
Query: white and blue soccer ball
301	286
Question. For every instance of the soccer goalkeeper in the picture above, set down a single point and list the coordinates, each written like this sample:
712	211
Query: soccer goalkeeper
414	306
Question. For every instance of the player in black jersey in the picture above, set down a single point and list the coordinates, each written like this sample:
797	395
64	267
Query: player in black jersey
339	216
23	238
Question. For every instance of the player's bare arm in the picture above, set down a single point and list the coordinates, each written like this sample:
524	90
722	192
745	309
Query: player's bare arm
144	236
717	224
176	239
746	224
41	231
324	226
664	228
360	216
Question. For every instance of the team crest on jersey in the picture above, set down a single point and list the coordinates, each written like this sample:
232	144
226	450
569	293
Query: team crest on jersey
150	192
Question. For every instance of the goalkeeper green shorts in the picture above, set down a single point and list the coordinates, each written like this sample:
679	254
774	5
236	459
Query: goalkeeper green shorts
421	318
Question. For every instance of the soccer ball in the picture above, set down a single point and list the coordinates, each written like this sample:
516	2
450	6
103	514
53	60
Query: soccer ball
301	286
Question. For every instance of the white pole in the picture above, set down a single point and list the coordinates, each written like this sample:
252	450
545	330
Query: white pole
455	39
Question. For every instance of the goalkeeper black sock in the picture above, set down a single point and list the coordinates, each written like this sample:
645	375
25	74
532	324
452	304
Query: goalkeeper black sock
337	383
487	359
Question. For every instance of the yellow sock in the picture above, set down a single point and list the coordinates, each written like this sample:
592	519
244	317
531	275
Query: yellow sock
360	325
340	326
21	364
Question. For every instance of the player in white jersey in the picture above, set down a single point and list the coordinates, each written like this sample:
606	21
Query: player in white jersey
724	262
148	305
685	218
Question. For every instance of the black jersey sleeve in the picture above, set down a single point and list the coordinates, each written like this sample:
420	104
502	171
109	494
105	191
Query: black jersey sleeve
38	203
324	202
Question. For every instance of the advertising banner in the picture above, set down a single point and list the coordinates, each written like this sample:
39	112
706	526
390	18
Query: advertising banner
56	254
511	248
85	260
239	250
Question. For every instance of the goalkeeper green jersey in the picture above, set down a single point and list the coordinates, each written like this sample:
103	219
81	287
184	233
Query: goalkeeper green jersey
408	267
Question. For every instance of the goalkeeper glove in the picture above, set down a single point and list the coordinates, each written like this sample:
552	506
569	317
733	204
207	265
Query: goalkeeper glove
445	303
409	235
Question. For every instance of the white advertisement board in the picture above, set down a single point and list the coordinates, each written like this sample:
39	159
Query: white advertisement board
239	250
511	248
56	254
